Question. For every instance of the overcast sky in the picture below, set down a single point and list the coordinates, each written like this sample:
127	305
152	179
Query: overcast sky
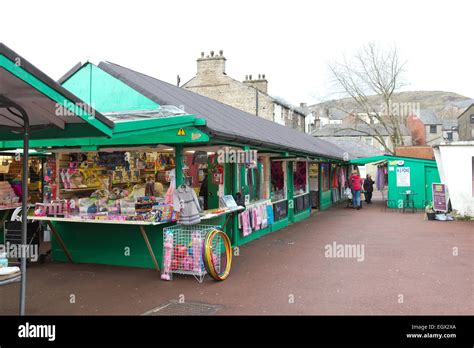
291	42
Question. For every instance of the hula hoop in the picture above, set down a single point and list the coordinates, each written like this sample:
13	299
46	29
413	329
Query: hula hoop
209	260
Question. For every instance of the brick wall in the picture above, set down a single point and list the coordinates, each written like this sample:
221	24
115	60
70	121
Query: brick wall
424	152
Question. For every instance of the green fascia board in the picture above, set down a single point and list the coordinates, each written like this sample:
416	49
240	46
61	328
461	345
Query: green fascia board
33	81
372	159
148	137
169	136
105	92
71	130
136	125
284	154
366	160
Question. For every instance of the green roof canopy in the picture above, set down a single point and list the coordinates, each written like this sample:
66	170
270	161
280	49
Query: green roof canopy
374	159
53	111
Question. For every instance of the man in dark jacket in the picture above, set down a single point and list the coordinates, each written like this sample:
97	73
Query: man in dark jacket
368	188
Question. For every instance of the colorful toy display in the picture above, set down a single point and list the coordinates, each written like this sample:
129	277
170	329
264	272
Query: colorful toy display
168	254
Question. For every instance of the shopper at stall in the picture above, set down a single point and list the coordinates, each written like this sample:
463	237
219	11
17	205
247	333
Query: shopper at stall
355	185
368	188
204	192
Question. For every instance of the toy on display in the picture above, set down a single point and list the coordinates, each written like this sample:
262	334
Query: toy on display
168	254
211	254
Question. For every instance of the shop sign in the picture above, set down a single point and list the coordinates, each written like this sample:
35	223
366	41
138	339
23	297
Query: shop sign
440	202
396	163
403	176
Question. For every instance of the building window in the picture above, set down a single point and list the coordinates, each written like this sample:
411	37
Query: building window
369	141
433	129
450	136
472	118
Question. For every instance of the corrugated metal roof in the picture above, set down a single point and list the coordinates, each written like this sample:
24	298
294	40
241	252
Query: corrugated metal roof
222	120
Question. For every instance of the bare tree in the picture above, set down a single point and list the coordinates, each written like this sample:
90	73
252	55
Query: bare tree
370	78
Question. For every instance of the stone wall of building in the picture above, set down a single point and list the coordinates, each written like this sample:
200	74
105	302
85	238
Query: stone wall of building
249	95
466	128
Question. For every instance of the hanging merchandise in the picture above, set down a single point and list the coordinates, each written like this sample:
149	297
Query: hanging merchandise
150	187
256	216
215	242
218	175
380	178
185	202
168	254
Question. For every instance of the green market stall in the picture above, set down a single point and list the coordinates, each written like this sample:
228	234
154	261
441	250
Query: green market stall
274	183
406	174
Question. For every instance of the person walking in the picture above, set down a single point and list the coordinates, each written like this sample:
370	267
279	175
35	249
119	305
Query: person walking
368	188
355	185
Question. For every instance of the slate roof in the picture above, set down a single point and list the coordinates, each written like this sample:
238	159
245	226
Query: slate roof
356	148
429	117
224	121
288	105
448	124
339	130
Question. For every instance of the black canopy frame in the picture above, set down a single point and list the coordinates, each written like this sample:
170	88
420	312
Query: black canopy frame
21	114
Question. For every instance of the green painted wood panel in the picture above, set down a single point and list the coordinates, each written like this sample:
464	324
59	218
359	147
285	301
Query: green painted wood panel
325	200
422	175
106	244
302	215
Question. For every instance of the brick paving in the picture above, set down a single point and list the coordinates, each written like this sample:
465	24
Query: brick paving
408	268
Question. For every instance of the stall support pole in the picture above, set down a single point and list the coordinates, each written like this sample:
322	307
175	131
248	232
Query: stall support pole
179	165
150	249
24	212
60	241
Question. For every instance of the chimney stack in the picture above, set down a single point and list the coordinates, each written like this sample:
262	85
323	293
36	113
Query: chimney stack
212	64
260	83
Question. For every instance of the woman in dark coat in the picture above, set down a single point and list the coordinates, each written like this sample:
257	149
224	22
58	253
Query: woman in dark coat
368	188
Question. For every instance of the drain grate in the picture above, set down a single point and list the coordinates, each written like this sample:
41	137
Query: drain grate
174	307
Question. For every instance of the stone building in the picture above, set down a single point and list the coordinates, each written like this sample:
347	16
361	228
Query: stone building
250	95
466	124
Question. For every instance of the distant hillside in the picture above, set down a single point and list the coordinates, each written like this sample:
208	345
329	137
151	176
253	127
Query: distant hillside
445	104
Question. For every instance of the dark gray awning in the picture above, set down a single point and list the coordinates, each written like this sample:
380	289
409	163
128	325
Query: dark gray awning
224	121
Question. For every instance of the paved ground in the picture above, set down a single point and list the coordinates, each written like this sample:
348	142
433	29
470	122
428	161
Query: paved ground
406	259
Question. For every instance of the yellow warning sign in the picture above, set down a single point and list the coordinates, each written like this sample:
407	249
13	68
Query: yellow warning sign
181	132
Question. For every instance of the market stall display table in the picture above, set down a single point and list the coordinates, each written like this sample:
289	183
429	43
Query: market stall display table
127	225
